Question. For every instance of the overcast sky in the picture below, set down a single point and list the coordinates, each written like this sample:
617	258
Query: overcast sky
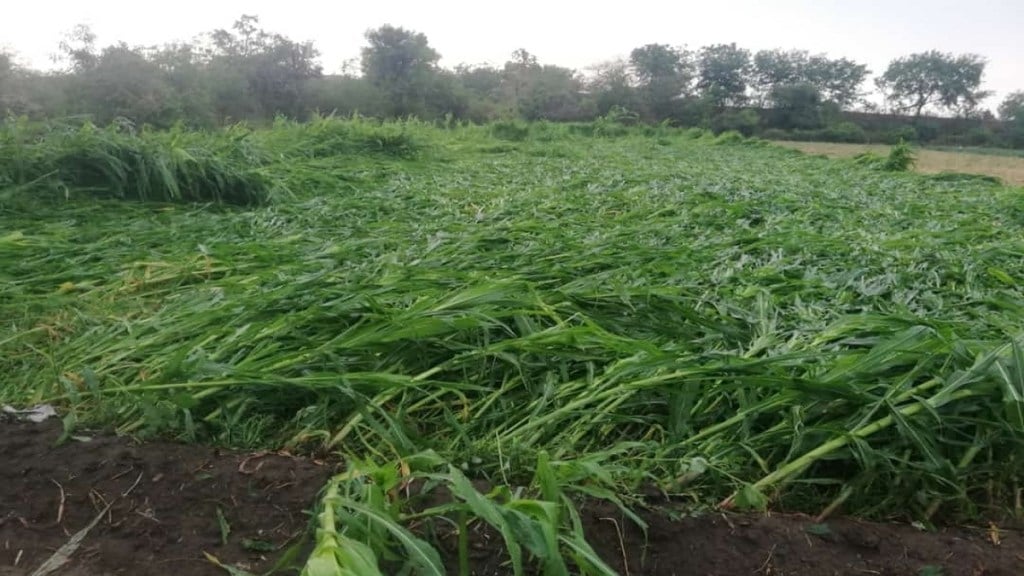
569	33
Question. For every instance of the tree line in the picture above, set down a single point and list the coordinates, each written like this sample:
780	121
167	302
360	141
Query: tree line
248	73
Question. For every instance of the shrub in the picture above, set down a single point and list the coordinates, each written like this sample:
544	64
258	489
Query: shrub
743	121
605	128
581	129
901	134
776	134
901	158
730	137
694	133
981	136
623	116
512	130
544	131
847	132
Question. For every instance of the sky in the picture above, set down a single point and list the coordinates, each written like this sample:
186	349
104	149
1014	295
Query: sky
575	34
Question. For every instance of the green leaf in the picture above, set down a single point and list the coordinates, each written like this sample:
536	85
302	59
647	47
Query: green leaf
750	498
225	528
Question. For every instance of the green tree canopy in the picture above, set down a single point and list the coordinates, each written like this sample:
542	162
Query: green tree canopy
663	74
797	106
944	81
123	83
9	98
272	69
534	91
1012	107
772	68
402	64
611	85
836	80
723	70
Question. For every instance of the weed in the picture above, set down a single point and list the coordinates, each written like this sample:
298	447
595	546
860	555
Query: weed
901	158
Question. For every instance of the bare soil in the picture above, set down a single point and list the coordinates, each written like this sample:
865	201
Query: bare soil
164	501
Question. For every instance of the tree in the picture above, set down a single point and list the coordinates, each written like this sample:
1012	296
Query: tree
480	81
481	87
8	77
611	85
1011	111
6	64
773	68
663	74
1012	108
402	64
797	106
78	48
941	80
272	69
346	94
517	75
723	70
186	74
122	82
540	92
837	80
552	93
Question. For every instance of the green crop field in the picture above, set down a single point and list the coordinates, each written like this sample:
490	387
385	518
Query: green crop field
558	311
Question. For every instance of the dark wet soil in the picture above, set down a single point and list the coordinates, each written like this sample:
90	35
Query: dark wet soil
164	500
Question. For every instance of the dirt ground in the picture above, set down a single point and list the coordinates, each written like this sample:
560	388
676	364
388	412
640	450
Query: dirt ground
1009	169
164	500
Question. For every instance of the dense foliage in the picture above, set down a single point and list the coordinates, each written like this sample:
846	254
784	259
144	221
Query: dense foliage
555	309
249	73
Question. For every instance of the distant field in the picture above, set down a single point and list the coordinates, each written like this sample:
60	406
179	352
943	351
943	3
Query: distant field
1008	168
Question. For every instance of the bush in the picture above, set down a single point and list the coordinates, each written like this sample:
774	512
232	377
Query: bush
981	136
694	133
730	137
901	134
901	158
605	128
846	132
743	121
511	130
544	131
623	116
926	132
776	134
581	129
1015	135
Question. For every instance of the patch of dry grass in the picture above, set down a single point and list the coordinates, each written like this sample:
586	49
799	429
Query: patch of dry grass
1007	168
